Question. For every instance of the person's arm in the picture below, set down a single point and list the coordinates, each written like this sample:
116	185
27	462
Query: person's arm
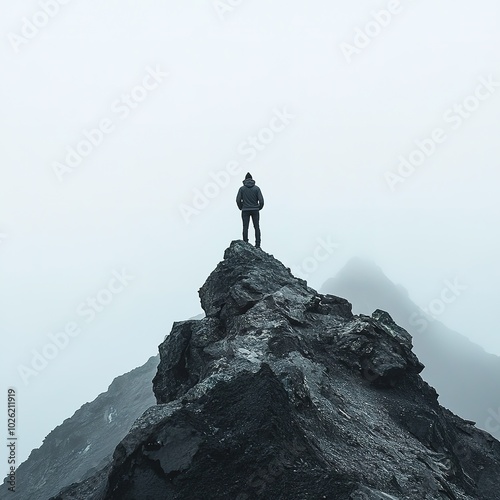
239	199
261	200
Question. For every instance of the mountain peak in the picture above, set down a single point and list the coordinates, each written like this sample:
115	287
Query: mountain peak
359	269
365	280
281	392
244	277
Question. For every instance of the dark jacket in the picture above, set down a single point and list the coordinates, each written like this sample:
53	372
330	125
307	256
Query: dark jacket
249	196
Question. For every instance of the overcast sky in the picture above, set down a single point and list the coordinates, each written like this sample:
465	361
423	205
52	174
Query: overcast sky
128	126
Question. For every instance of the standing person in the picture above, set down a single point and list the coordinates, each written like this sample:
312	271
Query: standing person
250	201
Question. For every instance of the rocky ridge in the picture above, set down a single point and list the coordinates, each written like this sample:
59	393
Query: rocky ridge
280	392
465	376
85	442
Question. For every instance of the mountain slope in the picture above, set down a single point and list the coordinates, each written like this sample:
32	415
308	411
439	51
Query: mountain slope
85	442
282	393
465	376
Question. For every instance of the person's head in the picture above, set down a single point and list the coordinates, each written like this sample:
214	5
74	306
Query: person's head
248	176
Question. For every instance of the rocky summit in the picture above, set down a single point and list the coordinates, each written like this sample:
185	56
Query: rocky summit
280	392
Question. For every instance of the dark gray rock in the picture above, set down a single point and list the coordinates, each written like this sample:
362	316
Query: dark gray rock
465	376
241	280
282	393
84	443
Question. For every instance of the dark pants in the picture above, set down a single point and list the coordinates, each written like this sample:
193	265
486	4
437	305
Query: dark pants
255	215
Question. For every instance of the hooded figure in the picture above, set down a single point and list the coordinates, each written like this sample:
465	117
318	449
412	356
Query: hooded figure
250	201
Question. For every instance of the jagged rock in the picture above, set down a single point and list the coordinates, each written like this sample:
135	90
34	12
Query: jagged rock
465	376
84	443
282	393
239	282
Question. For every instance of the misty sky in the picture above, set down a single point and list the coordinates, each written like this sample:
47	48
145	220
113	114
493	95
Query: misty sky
128	126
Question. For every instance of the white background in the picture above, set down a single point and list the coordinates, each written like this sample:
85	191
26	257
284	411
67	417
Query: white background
322	176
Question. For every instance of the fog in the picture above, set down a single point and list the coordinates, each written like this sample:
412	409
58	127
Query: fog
127	128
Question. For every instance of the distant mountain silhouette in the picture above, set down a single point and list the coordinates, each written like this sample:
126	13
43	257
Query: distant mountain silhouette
85	442
464	374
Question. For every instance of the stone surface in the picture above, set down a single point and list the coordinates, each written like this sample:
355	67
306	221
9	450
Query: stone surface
282	393
463	373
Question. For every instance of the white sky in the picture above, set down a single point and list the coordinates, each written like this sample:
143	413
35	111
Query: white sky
322	176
